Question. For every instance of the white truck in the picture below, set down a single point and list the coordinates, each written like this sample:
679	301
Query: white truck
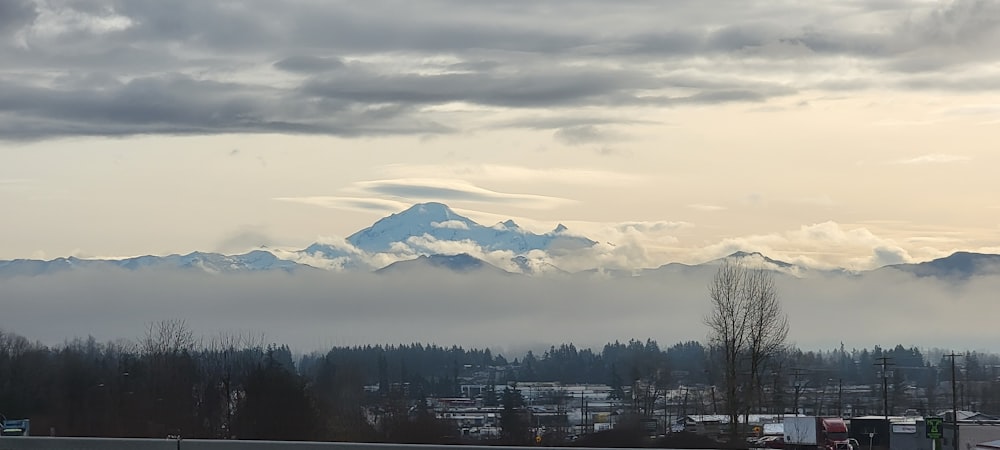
815	433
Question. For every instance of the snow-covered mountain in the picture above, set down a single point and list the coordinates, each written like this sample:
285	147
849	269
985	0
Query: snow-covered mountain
433	235
460	263
958	266
752	259
439	222
254	261
408	234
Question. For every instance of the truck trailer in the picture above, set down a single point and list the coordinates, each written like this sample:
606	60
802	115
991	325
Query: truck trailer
816	433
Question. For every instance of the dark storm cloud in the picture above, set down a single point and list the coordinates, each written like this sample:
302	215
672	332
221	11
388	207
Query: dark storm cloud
370	68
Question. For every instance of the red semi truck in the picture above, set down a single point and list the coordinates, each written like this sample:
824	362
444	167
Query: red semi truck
816	433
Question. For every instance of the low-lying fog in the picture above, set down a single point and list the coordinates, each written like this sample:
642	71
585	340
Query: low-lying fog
314	311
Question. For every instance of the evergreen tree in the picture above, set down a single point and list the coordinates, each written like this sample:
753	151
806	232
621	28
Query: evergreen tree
514	419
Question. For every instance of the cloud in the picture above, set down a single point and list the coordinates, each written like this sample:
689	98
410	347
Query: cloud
424	189
79	22
822	245
583	135
15	15
567	120
936	158
180	105
652	227
395	195
451	224
309	64
543	87
884	256
499	172
210	69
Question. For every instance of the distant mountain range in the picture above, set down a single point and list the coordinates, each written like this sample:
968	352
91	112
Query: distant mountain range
415	236
959	265
254	261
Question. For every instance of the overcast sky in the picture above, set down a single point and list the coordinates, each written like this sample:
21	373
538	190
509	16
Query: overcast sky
851	133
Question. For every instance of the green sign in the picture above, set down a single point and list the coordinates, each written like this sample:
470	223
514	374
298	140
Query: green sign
935	427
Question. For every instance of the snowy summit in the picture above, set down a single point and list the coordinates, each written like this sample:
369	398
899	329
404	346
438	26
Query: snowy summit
438	221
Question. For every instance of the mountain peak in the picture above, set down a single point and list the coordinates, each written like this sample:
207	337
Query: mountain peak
743	254
438	222
757	256
560	228
430	209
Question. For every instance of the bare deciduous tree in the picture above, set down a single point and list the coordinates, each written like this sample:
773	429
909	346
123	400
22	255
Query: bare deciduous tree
747	327
167	337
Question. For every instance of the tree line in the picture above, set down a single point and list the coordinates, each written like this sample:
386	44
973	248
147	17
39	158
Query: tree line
169	382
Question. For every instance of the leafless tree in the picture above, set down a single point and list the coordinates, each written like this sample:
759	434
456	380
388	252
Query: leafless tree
768	329
647	391
747	327
167	337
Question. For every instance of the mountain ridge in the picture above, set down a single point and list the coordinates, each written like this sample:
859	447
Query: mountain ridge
425	230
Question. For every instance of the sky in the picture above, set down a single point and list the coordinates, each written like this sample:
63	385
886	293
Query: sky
829	133
840	133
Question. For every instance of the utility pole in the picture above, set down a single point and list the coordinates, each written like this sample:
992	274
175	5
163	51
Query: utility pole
796	373
840	397
884	361
954	401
